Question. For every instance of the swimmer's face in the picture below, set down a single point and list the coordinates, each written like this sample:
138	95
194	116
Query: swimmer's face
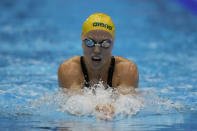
97	57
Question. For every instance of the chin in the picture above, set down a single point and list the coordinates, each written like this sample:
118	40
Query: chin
96	65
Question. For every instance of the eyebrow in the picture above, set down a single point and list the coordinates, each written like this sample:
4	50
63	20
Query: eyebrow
105	40
100	40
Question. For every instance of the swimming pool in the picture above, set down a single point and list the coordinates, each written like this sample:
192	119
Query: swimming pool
36	36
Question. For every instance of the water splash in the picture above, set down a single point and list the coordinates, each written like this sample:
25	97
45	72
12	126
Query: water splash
144	102
22	101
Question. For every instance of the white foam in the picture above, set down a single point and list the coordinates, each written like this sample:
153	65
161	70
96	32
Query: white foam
85	104
124	105
78	105
128	105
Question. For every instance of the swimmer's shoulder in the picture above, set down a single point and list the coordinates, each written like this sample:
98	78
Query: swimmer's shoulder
127	71
70	68
73	62
123	62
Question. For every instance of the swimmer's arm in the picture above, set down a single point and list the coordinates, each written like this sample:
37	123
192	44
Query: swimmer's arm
67	78
129	79
62	77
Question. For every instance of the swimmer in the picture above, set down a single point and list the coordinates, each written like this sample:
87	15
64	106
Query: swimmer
97	63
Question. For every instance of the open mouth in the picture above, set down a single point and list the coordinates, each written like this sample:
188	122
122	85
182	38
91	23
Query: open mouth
96	58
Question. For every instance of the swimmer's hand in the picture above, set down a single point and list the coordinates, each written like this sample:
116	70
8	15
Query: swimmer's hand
105	112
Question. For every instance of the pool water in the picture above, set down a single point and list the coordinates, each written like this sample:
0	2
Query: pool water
159	36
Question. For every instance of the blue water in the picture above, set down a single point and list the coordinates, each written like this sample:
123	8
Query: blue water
37	35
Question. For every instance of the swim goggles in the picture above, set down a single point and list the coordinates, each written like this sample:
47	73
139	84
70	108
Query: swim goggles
92	43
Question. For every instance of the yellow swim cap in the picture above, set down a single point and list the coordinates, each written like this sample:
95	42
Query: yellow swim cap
99	21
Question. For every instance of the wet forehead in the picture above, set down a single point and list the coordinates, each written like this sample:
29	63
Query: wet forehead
98	35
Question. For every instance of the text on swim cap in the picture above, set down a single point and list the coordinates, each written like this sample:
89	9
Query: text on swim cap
102	25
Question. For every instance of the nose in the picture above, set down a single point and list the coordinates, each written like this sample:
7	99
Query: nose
97	49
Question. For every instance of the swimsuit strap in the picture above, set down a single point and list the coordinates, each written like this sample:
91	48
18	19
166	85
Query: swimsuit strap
110	72
85	72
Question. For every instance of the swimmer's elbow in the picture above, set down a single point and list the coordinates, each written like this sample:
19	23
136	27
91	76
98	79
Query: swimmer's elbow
60	76
134	75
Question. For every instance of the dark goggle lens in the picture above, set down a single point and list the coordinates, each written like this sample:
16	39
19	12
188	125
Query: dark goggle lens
106	44
89	43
